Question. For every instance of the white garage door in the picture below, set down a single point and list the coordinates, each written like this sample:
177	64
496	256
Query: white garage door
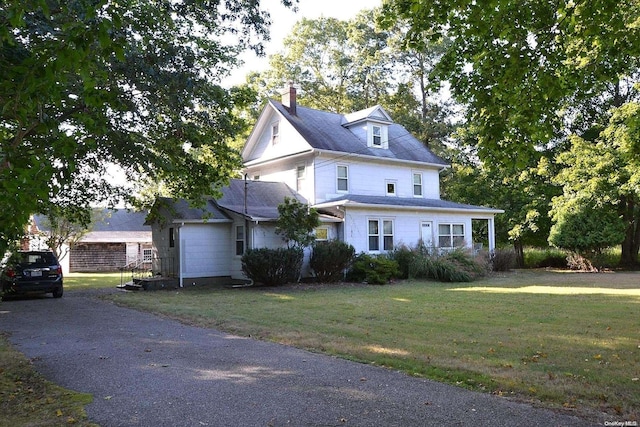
205	250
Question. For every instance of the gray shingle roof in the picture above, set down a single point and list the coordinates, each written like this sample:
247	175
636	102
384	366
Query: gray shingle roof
182	210
324	131
108	221
263	199
355	199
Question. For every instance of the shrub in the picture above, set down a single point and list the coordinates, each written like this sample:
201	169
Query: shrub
456	266
273	267
375	270
330	260
404	256
503	259
545	257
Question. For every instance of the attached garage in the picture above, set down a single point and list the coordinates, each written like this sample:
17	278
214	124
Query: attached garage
204	250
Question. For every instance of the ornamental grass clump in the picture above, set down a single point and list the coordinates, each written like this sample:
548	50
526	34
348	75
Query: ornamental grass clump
458	265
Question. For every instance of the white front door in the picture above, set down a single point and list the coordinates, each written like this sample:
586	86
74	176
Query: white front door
426	233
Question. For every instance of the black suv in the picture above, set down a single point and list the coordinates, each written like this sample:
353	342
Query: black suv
27	272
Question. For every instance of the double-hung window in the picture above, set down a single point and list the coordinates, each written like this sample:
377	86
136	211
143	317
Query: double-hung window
300	172
417	184
275	133
380	235
377	136
450	235
343	178
239	239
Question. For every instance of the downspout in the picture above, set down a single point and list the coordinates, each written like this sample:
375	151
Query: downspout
246	214
181	254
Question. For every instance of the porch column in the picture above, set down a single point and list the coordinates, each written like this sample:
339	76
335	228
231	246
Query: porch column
492	234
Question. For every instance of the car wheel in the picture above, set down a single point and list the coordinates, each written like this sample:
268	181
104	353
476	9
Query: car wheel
58	292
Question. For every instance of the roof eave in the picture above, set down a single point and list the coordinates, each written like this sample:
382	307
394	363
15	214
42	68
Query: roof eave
343	154
350	203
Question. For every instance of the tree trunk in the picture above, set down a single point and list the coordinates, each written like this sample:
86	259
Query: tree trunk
519	250
631	242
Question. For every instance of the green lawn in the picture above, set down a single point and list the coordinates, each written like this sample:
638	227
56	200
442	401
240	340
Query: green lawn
93	280
565	339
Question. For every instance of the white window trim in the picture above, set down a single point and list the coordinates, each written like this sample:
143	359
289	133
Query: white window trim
451	236
338	178
384	135
275	132
413	184
147	255
381	235
300	177
237	240
393	182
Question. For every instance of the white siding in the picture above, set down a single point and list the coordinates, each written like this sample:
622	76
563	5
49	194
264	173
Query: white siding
369	178
289	140
205	250
407	225
286	171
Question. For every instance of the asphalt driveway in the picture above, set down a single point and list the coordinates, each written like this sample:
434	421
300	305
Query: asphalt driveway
146	370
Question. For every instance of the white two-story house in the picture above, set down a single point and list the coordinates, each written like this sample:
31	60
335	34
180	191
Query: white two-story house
375	185
363	169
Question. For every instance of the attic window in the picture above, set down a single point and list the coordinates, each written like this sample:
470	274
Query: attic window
378	136
275	133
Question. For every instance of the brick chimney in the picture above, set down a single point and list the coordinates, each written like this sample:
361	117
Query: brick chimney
289	98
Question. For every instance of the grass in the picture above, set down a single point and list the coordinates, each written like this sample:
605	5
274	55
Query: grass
564	339
27	399
93	280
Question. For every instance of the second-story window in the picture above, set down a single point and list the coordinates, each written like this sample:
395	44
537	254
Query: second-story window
300	170
417	184
377	136
391	187
343	178
275	133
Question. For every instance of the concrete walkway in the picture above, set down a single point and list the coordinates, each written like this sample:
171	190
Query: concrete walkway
146	370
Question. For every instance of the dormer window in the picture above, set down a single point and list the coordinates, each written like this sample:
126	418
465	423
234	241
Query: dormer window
377	135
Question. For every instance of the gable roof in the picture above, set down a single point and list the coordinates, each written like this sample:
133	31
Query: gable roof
399	202
180	210
107	221
326	131
262	200
375	113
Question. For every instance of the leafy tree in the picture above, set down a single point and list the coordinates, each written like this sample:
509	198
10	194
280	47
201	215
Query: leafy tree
345	66
338	65
523	68
529	75
601	187
296	222
583	227
135	83
66	225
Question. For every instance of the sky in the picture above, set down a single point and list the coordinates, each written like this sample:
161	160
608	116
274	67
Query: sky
283	20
